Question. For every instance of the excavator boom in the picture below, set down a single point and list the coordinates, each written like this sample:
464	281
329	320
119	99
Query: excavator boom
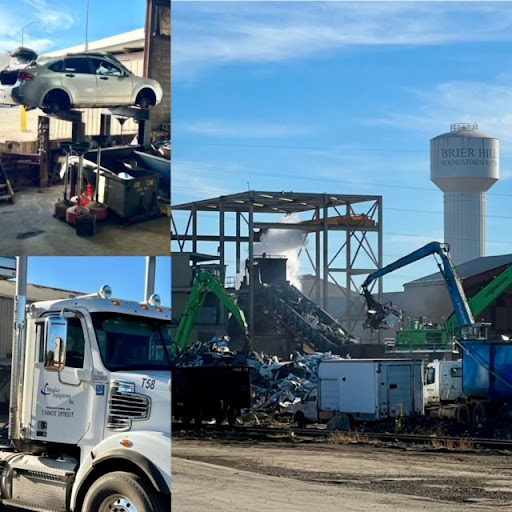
378	313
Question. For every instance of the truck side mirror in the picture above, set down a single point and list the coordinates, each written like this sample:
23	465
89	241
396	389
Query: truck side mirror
55	343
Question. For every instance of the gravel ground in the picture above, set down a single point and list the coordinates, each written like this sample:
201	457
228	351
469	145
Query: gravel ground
385	478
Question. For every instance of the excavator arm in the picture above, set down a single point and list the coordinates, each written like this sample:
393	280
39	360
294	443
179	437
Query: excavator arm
378	314
484	298
204	283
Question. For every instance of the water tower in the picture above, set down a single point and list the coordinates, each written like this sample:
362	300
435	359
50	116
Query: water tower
464	164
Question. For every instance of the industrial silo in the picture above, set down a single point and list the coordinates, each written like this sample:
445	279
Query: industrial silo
464	164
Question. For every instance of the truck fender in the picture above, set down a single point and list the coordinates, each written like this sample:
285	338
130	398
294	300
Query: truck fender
110	450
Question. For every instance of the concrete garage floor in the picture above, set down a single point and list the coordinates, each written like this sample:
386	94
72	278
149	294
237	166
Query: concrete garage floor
28	228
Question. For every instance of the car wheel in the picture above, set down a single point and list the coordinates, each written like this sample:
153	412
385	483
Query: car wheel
146	99
144	103
55	102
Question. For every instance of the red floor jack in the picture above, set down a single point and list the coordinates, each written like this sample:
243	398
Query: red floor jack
79	215
99	210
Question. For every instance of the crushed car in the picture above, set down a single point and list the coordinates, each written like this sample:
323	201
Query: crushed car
77	80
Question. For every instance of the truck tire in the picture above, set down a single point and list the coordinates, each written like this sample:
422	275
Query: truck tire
220	416
232	414
122	492
479	415
301	420
463	414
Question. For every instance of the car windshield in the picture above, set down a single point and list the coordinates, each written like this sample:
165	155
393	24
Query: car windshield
128	342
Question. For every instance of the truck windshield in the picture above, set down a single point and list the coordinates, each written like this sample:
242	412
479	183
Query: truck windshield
132	343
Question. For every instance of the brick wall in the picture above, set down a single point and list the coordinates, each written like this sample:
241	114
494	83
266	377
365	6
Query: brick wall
158	58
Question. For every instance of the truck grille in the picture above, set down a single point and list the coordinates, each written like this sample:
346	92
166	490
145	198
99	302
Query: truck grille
125	407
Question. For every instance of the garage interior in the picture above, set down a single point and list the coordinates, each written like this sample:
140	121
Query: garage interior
32	185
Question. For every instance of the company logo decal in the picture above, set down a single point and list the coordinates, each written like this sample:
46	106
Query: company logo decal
46	390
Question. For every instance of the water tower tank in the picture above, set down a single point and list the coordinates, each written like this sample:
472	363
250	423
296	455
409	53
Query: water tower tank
464	164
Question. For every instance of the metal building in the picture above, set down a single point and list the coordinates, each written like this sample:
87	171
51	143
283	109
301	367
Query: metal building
464	164
344	234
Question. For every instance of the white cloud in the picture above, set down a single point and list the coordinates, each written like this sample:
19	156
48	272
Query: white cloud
251	129
434	110
207	35
49	16
35	17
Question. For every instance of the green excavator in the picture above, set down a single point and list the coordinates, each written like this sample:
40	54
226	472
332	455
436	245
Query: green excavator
424	337
204	283
203	393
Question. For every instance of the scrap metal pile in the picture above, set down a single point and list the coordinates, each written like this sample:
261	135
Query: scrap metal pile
274	383
277	384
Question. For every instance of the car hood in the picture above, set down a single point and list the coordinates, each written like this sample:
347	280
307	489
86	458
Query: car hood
20	58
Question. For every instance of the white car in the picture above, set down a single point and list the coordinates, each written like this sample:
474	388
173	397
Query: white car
91	79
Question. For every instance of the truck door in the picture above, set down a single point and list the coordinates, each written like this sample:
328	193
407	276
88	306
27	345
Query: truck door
311	406
62	399
431	388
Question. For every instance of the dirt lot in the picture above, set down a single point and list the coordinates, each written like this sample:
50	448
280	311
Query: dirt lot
319	476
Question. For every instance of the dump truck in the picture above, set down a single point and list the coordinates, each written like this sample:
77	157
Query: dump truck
483	372
89	415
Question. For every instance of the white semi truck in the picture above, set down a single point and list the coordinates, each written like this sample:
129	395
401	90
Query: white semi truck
90	406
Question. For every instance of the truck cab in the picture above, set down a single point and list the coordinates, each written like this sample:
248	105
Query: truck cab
90	417
443	383
307	410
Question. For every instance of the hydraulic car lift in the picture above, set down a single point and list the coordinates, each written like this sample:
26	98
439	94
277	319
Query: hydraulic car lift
141	117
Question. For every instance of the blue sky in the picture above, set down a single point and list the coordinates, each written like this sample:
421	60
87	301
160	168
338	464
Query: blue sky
341	97
61	23
125	275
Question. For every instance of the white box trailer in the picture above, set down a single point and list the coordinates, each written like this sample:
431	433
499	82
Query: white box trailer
370	389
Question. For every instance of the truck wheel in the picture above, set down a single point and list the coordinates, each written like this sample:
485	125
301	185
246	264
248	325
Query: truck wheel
121	492
462	414
479	415
198	419
301	420
220	417
232	414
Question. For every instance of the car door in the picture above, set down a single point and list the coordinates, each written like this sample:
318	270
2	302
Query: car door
114	85
79	80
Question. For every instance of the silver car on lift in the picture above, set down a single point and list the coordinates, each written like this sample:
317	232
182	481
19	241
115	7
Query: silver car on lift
91	79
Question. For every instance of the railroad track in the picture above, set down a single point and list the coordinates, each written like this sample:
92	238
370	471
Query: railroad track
449	442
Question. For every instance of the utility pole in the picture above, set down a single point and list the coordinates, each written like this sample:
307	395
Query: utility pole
23	30
87	28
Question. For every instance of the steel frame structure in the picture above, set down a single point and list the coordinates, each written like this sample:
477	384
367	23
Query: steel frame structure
350	226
